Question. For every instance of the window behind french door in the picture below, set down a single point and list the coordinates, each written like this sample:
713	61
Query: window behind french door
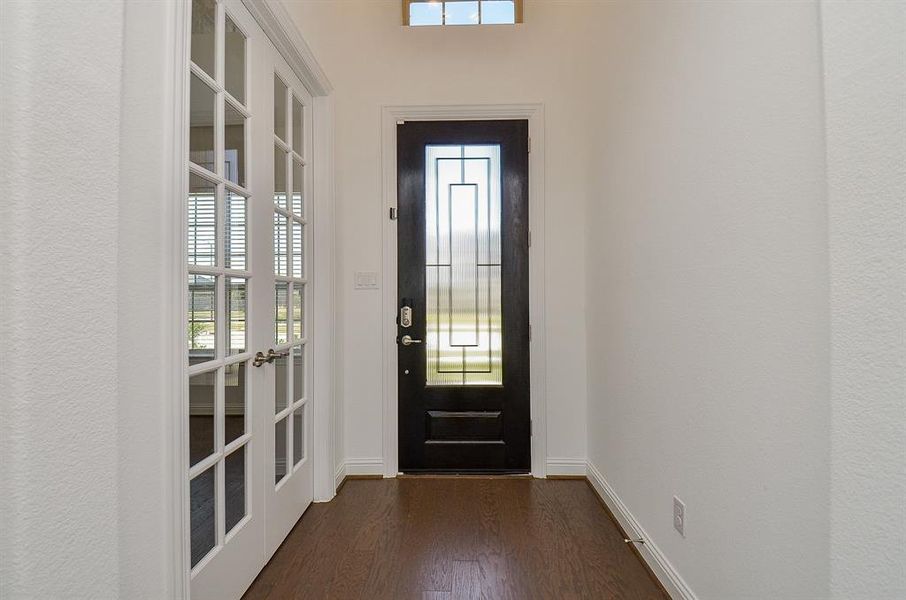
247	244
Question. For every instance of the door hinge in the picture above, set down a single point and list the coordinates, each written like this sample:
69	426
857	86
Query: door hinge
531	428
530	332
530	238
530	145
393	213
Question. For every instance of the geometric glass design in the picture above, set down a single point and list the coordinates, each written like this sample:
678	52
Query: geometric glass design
462	270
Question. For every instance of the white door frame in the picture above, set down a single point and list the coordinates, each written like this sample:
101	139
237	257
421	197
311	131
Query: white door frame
277	24
390	117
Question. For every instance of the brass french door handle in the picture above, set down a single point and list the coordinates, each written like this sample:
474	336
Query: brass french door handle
407	340
271	356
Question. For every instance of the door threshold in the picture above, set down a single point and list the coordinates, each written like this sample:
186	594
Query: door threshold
463	475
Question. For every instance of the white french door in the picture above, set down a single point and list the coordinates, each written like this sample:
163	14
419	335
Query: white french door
291	471
248	419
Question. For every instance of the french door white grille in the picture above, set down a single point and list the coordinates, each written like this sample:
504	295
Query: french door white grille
217	253
290	278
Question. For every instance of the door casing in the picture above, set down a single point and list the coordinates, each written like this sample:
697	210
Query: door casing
391	116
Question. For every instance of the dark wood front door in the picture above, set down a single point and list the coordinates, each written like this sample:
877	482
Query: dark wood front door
463	330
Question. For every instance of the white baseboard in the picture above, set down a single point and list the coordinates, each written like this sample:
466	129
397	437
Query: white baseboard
566	466
663	570
339	476
364	466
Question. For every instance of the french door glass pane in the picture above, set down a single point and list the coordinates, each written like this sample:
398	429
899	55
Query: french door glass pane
202	515
298	317
462	270
201	416
279	177
234	145
234	68
281	224
200	222
298	373
234	488
201	123
298	250
279	108
236	301
281	312
281	375
298	182
297	126
235	236
280	462
204	14
234	402
202	321
298	434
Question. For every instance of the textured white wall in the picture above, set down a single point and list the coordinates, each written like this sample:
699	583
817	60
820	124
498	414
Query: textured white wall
83	436
61	105
864	46
373	61
708	290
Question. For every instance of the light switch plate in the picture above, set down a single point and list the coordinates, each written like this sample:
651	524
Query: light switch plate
366	280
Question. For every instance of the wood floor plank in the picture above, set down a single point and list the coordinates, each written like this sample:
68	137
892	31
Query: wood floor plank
424	538
466	580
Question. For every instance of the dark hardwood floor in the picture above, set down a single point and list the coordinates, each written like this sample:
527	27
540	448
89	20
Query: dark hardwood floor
456	537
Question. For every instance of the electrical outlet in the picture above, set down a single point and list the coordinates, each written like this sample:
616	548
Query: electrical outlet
679	516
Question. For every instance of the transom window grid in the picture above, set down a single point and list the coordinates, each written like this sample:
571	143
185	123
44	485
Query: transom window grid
216	212
291	289
417	13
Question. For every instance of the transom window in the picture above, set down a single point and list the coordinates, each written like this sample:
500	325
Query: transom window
418	13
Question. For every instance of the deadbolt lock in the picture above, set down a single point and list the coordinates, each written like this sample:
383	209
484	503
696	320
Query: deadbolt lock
406	316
